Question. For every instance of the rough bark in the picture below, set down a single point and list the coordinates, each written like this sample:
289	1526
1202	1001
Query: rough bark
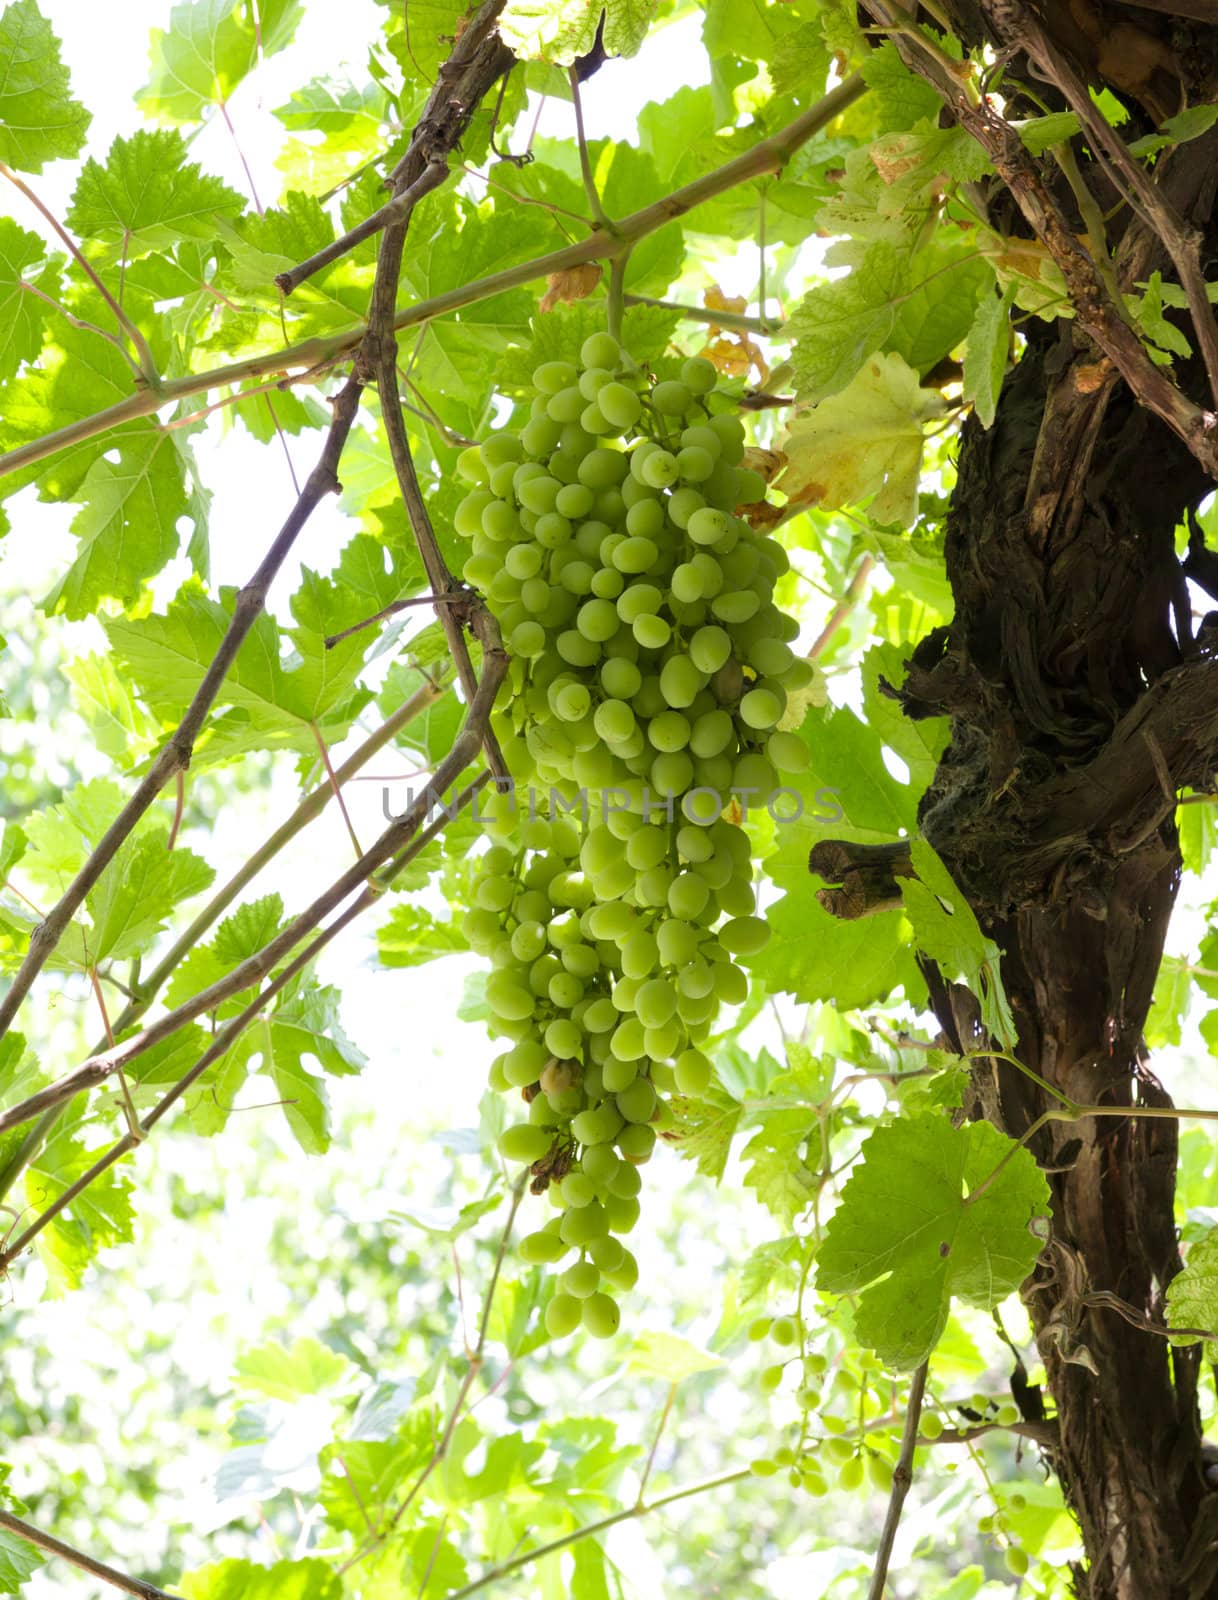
1080	705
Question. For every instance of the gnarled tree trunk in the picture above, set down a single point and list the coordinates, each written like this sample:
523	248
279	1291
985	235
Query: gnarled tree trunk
1080	704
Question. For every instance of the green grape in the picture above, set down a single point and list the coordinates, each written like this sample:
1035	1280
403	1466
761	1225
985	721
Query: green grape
521	1142
850	1474
636	1141
601	1316
694	464
687	583
618	1075
640	952
660	469
763	1467
744	936
646	849
711	735
620	405
637	1102
636	554
656	1000
1017	1562
581	1224
709	525
471	466
624	1211
598	1125
603	468
669	731
581	1280
541	1249
563	1315
608	1253
671	398
879	1470
628	1041
600	350
680	681
693	1073
599	1163
652	632
735	605
784	1330
597	620
552	376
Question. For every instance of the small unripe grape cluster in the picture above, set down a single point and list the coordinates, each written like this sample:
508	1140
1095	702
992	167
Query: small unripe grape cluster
650	672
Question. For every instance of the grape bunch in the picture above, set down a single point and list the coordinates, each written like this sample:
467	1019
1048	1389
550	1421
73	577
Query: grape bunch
651	675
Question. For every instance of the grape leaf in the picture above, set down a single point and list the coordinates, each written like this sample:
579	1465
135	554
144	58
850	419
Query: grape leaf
148	197
128	524
289	1372
39	120
560	30
1192	1295
946	929
210	46
21	312
273	703
987	353
664	1355
907	1237
100	1215
313	1579
865	442
836	326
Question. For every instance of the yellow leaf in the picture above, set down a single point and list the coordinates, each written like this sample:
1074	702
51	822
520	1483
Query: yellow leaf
864	442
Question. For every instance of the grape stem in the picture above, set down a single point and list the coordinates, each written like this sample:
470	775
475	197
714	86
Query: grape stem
902	1478
617	286
600	215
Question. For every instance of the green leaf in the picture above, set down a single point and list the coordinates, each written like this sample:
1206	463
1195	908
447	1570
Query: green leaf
148	197
777	1172
313	1579
304	1024
1037	134
898	96
39	120
836	326
22	314
349	117
664	1355
272	703
1188	124
128	525
946	930
412	936
139	891
1192	1295
100	1215
283	1372
864	443
907	1237
987	353
18	1557
702	1129
1173	992
1166	339
210	46
560	30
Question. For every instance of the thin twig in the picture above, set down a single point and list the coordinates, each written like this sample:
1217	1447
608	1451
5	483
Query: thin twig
392	610
655	1443
474	1360
601	216
843	608
493	1574
902	1477
336	788
1149	199
734	320
78	1558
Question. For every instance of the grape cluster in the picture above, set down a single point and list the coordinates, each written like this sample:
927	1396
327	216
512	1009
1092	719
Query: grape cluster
650	673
